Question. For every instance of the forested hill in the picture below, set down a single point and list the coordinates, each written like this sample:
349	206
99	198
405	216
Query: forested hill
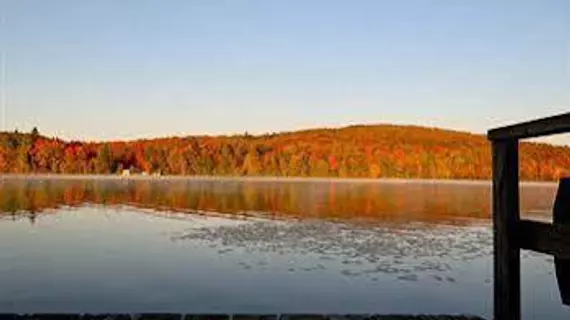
357	152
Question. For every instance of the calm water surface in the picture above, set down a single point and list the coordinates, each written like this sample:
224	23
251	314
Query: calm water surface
245	246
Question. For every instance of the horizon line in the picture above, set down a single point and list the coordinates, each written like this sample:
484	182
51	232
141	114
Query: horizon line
542	140
246	132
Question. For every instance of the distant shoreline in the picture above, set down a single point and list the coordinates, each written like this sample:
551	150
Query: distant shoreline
262	179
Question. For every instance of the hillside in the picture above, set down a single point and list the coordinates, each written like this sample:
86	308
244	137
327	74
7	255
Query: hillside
355	151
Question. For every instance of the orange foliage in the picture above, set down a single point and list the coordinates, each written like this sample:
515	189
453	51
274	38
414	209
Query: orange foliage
356	151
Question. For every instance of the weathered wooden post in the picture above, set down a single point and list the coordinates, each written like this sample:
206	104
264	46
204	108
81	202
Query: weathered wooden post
507	303
561	215
510	232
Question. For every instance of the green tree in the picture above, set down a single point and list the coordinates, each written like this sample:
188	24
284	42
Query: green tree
35	134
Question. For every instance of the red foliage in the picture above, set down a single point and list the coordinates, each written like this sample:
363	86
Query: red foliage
357	151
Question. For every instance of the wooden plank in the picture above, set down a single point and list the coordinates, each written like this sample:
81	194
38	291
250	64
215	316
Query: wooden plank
530	129
507	304
545	238
561	215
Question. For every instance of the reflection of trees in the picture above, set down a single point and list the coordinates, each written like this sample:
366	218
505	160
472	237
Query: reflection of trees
375	201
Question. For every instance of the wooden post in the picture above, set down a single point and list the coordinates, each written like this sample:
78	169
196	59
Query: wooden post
507	301
561	215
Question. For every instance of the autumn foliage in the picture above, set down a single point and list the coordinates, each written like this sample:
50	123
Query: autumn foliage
355	152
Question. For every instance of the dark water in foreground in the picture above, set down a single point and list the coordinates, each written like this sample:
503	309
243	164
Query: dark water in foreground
245	246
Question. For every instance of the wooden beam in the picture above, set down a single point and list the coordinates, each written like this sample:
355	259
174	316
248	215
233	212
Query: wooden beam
545	238
507	301
530	129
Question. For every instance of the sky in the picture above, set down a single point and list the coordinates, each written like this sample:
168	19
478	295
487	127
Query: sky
107	69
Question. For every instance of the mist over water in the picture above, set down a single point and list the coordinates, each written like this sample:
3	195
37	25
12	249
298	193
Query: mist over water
84	245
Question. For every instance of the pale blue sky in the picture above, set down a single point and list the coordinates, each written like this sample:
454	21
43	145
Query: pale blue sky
127	69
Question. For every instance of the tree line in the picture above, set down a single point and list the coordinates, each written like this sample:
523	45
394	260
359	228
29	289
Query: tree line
353	152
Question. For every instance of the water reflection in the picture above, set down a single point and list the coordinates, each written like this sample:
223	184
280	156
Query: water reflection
387	202
256	246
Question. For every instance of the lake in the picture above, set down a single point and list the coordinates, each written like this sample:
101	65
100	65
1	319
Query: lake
267	246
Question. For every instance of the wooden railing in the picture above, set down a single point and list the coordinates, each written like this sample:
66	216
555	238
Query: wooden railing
510	232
